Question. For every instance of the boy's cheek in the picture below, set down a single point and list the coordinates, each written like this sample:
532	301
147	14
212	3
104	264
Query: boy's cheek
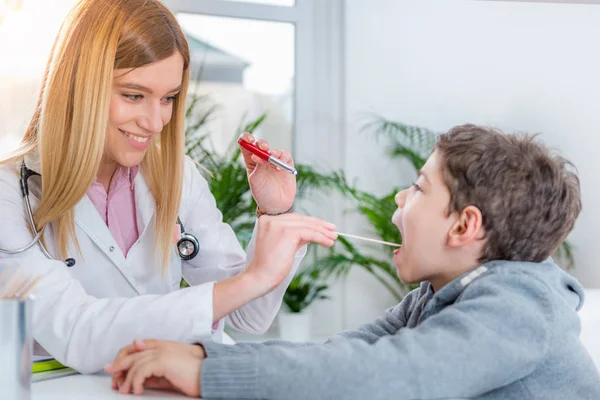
397	217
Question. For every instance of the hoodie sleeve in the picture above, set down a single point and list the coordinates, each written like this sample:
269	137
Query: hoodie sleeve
394	319
495	334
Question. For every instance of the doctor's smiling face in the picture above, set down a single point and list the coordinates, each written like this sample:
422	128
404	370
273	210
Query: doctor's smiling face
141	104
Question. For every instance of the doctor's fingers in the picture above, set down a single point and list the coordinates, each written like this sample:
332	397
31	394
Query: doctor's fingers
294	217
311	235
300	235
299	231
283	155
294	220
278	225
263	144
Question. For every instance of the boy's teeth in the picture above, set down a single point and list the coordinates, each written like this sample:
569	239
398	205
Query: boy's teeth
136	138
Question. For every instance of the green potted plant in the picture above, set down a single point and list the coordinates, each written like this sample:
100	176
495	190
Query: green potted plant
228	182
294	320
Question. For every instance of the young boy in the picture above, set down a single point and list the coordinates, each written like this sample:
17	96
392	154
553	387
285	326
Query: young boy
494	317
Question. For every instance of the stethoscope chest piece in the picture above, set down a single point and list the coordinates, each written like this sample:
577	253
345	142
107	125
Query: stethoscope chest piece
187	247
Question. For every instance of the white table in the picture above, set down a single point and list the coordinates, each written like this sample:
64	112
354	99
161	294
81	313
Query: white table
88	387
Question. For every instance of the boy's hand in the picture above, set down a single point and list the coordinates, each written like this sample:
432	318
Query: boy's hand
157	364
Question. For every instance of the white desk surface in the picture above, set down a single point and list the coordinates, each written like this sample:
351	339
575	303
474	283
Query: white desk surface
88	387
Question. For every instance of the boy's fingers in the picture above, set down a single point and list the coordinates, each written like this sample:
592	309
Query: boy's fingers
150	343
139	345
155	382
144	371
122	353
120	381
126	362
136	346
115	379
125	387
143	358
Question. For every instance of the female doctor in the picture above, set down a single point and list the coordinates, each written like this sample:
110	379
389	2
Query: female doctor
102	162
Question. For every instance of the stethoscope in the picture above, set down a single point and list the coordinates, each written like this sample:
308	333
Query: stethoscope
187	245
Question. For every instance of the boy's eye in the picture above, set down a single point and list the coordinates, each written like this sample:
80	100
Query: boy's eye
416	187
133	97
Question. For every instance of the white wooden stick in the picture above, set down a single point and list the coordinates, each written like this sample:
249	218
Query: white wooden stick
369	240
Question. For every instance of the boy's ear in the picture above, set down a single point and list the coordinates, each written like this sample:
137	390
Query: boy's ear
467	228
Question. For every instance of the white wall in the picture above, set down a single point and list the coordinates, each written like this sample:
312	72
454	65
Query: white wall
438	63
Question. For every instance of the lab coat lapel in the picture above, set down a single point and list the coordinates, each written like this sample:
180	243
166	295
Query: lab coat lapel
90	221
144	203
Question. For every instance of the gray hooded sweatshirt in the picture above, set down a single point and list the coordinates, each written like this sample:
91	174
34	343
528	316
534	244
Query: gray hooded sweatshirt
504	330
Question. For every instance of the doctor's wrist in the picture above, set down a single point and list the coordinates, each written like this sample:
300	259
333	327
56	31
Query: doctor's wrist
235	292
260	212
256	280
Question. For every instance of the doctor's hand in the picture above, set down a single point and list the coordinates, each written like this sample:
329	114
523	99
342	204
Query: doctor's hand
273	189
157	364
278	240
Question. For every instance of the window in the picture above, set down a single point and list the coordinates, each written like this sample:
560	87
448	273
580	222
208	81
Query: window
243	68
26	36
267	45
284	3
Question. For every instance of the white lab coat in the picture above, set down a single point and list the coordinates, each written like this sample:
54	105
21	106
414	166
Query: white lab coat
83	315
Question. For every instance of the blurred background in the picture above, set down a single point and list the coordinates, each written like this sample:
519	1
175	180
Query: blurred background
357	90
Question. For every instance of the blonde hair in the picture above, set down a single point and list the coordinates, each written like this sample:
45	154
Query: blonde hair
69	125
